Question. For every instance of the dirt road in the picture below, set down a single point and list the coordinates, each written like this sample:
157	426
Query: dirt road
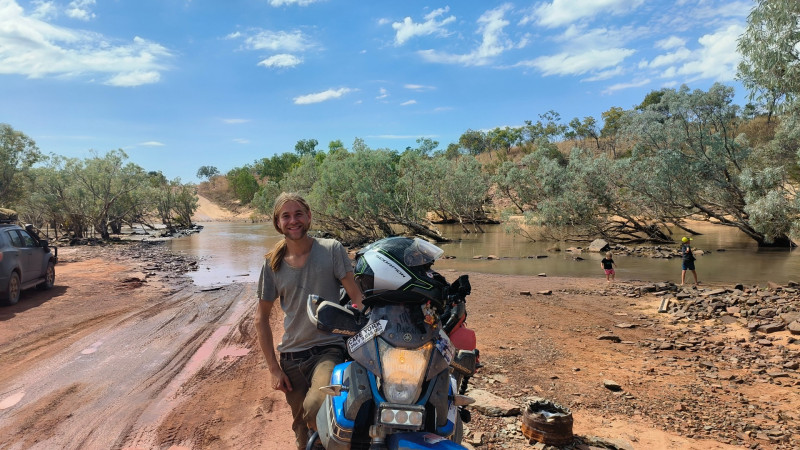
124	353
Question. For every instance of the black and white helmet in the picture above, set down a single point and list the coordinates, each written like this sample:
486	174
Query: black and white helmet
398	269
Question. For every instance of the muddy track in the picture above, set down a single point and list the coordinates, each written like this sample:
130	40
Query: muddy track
117	373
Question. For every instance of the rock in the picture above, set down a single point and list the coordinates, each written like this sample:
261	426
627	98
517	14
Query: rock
493	405
599	245
548	292
612	385
625	325
794	327
525	293
773	285
609	337
772	327
492	257
714	292
542	274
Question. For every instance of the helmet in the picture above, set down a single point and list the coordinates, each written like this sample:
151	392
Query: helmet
685	239
398	269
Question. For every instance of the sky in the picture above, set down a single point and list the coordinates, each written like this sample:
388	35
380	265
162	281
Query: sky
180	84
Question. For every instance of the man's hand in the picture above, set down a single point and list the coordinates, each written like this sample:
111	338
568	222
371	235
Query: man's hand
280	382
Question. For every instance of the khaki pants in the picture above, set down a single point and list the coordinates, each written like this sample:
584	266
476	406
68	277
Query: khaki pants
305	398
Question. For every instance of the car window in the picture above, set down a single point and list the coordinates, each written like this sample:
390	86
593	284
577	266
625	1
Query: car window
13	236
27	239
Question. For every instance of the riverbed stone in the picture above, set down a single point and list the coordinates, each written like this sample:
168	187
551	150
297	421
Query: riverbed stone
599	245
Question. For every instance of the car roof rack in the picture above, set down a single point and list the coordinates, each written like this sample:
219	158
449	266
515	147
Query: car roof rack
8	215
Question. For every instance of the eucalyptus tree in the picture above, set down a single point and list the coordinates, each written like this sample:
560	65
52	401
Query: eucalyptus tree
243	183
207	172
475	141
519	182
106	181
586	129
612	123
698	164
466	191
770	49
18	153
354	194
306	147
548	127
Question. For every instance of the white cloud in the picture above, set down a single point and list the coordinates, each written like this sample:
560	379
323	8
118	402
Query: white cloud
563	12
34	48
407	29
408	103
668	59
580	63
419	87
323	96
80	9
285	41
278	3
151	144
620	86
671	42
494	43
44	10
241	141
235	121
281	61
716	57
135	78
383	93
606	74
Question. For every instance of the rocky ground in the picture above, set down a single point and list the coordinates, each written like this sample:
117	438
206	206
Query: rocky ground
716	368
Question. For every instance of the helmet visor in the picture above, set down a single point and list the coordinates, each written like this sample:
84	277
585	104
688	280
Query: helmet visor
421	252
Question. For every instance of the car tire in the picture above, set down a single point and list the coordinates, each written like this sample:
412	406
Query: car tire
13	289
49	277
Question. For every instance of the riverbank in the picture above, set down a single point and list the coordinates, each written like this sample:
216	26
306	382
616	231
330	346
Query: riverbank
685	381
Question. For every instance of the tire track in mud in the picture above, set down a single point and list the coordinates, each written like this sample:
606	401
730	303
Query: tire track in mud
228	404
132	371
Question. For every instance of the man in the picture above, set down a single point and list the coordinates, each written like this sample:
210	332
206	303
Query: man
297	266
687	260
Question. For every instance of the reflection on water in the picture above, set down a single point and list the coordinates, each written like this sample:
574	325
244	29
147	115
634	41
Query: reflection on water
234	252
228	252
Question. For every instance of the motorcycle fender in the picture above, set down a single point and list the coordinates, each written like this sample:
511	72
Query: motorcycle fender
420	441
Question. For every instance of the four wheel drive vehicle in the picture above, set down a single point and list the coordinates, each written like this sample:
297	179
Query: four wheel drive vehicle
25	260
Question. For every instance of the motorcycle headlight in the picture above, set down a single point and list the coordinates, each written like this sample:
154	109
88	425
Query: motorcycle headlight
403	371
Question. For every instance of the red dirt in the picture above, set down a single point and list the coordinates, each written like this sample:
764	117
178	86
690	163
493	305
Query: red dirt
120	355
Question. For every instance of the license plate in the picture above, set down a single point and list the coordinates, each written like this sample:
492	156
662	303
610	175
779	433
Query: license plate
369	332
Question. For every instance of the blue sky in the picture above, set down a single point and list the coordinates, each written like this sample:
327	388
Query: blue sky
179	84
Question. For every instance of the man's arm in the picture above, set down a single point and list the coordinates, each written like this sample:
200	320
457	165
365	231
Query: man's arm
353	291
279	379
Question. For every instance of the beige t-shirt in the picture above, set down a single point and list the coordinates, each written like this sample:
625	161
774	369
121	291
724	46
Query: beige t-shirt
327	263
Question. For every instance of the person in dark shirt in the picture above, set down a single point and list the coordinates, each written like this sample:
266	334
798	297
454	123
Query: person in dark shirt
687	260
608	265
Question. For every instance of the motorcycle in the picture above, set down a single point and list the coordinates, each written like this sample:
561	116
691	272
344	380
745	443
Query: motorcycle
403	384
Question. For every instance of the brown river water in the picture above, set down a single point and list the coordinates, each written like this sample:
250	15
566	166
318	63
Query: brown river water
234	252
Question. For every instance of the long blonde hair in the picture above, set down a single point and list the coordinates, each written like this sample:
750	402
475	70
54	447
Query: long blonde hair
275	256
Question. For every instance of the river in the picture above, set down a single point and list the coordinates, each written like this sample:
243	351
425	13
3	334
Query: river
232	252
